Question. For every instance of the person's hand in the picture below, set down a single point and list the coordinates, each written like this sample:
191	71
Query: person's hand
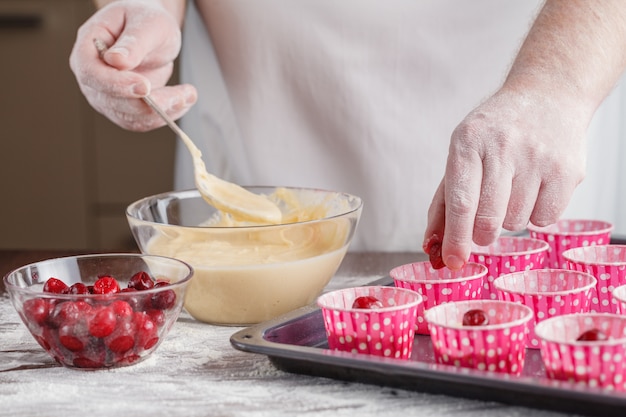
514	159
143	40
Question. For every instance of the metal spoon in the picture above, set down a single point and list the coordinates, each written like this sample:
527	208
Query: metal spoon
223	195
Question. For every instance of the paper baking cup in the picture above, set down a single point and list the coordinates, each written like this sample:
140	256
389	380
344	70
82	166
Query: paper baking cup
605	262
570	233
596	364
506	255
438	286
499	346
619	296
388	331
548	292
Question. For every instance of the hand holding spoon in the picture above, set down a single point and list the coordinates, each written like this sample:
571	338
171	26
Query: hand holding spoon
223	195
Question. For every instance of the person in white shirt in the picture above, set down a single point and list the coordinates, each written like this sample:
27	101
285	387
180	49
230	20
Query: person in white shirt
366	97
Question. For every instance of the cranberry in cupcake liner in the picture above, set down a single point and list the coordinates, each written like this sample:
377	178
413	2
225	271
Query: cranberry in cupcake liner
375	320
586	349
489	335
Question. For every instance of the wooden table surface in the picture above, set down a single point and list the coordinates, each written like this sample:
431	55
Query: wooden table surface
196	372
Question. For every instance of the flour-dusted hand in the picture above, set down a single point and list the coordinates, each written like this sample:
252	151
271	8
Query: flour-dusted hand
143	39
513	160
519	156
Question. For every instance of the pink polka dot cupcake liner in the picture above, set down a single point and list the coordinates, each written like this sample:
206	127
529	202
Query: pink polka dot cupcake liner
619	295
548	292
499	346
570	233
607	263
438	286
506	255
387	330
592	363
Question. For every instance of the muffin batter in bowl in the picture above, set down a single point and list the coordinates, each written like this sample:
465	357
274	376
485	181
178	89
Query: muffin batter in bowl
249	273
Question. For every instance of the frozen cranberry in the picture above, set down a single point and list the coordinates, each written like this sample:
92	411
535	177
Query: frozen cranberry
82	362
70	338
146	335
93	356
121	309
593	335
55	286
68	312
78	288
37	310
141	281
475	317
163	300
433	250
122	339
367	302
106	285
103	322
157	316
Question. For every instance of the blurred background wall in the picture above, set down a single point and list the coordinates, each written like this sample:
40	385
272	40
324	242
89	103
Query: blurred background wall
66	172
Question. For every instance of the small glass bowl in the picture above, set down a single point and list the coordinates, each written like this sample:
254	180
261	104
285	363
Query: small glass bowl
95	331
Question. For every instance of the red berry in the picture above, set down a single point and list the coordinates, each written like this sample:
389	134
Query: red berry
141	281
78	288
122	339
55	285
121	309
157	316
82	362
475	317
106	285
368	302
70	339
146	335
433	249
593	335
163	300
37	310
103	322
68	312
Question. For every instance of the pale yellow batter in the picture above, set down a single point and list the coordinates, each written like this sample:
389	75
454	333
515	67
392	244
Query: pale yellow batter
245	275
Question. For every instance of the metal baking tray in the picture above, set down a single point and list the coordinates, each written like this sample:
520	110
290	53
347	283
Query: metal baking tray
296	343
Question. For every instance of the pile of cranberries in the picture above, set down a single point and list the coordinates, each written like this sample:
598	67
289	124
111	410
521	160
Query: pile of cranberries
110	326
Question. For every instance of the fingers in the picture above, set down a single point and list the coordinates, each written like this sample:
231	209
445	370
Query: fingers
135	115
141	41
462	188
508	164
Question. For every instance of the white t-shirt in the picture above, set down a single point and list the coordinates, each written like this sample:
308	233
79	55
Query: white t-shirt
359	96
